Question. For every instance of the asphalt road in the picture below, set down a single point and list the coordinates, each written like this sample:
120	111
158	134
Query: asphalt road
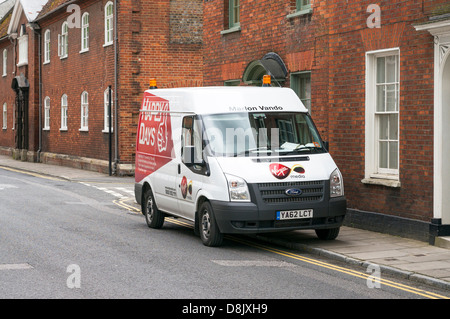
70	240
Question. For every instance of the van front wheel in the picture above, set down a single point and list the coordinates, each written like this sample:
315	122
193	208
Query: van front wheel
153	216
209	231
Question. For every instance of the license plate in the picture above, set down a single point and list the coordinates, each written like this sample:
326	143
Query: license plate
294	214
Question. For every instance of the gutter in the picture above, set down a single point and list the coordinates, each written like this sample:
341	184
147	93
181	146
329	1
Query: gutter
116	102
37	30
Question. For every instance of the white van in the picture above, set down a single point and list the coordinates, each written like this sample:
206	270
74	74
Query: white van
235	160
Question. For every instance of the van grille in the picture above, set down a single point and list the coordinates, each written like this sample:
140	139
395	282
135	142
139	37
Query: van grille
275	192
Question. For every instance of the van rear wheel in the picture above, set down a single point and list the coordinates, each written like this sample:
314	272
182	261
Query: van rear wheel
328	234
209	231
153	216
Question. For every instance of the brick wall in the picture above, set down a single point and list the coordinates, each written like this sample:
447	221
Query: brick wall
151	46
6	94
332	43
90	71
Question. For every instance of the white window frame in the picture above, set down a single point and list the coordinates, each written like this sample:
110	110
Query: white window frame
84	111
46	114
85	32
5	116
5	62
106	106
47	35
373	173
63	41
109	24
64	112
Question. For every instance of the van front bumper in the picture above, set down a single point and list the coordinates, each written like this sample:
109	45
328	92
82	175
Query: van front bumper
251	218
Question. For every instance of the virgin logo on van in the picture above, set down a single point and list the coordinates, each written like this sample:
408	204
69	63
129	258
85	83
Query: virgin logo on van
281	171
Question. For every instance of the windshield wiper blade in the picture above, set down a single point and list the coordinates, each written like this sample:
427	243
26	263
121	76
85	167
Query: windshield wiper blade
301	150
252	150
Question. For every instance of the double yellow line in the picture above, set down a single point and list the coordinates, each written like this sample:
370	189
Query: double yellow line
347	271
122	203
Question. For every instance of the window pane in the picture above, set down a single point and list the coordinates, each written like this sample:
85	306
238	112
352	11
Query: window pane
393	127
236	17
380	98
384	127
380	70
397	94
391	98
393	155
391	69
383	155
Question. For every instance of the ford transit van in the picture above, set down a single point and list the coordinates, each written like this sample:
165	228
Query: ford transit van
235	160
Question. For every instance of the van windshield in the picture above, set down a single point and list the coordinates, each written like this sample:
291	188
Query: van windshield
251	134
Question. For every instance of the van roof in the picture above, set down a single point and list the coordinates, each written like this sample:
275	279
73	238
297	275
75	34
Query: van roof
207	100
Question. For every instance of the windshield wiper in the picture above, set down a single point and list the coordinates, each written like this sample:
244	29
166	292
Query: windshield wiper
252	150
300	150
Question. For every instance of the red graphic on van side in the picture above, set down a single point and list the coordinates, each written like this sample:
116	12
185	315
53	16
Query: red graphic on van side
154	136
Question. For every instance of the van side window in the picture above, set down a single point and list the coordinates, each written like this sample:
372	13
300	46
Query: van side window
191	139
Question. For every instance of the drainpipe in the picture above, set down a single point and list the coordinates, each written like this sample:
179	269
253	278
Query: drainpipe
37	30
116	102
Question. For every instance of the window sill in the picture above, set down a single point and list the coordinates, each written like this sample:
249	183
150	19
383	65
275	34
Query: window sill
63	129
22	64
84	51
108	44
382	180
231	30
84	129
63	57
299	13
106	131
46	129
46	62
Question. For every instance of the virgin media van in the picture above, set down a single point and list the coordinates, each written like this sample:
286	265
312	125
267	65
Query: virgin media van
235	160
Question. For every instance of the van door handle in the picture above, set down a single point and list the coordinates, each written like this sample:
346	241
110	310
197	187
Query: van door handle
179	168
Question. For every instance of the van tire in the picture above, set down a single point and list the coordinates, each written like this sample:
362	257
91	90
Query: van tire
209	231
328	234
153	216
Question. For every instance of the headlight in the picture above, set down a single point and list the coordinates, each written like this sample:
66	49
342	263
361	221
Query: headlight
336	184
238	189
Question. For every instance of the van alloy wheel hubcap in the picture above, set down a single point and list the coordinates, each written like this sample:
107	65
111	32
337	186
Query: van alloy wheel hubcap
149	214
206	224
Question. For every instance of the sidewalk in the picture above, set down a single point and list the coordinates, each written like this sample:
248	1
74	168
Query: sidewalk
411	259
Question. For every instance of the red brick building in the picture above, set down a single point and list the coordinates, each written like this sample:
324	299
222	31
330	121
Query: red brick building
366	71
84	47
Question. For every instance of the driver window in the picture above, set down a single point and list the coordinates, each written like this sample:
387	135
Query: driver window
192	137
